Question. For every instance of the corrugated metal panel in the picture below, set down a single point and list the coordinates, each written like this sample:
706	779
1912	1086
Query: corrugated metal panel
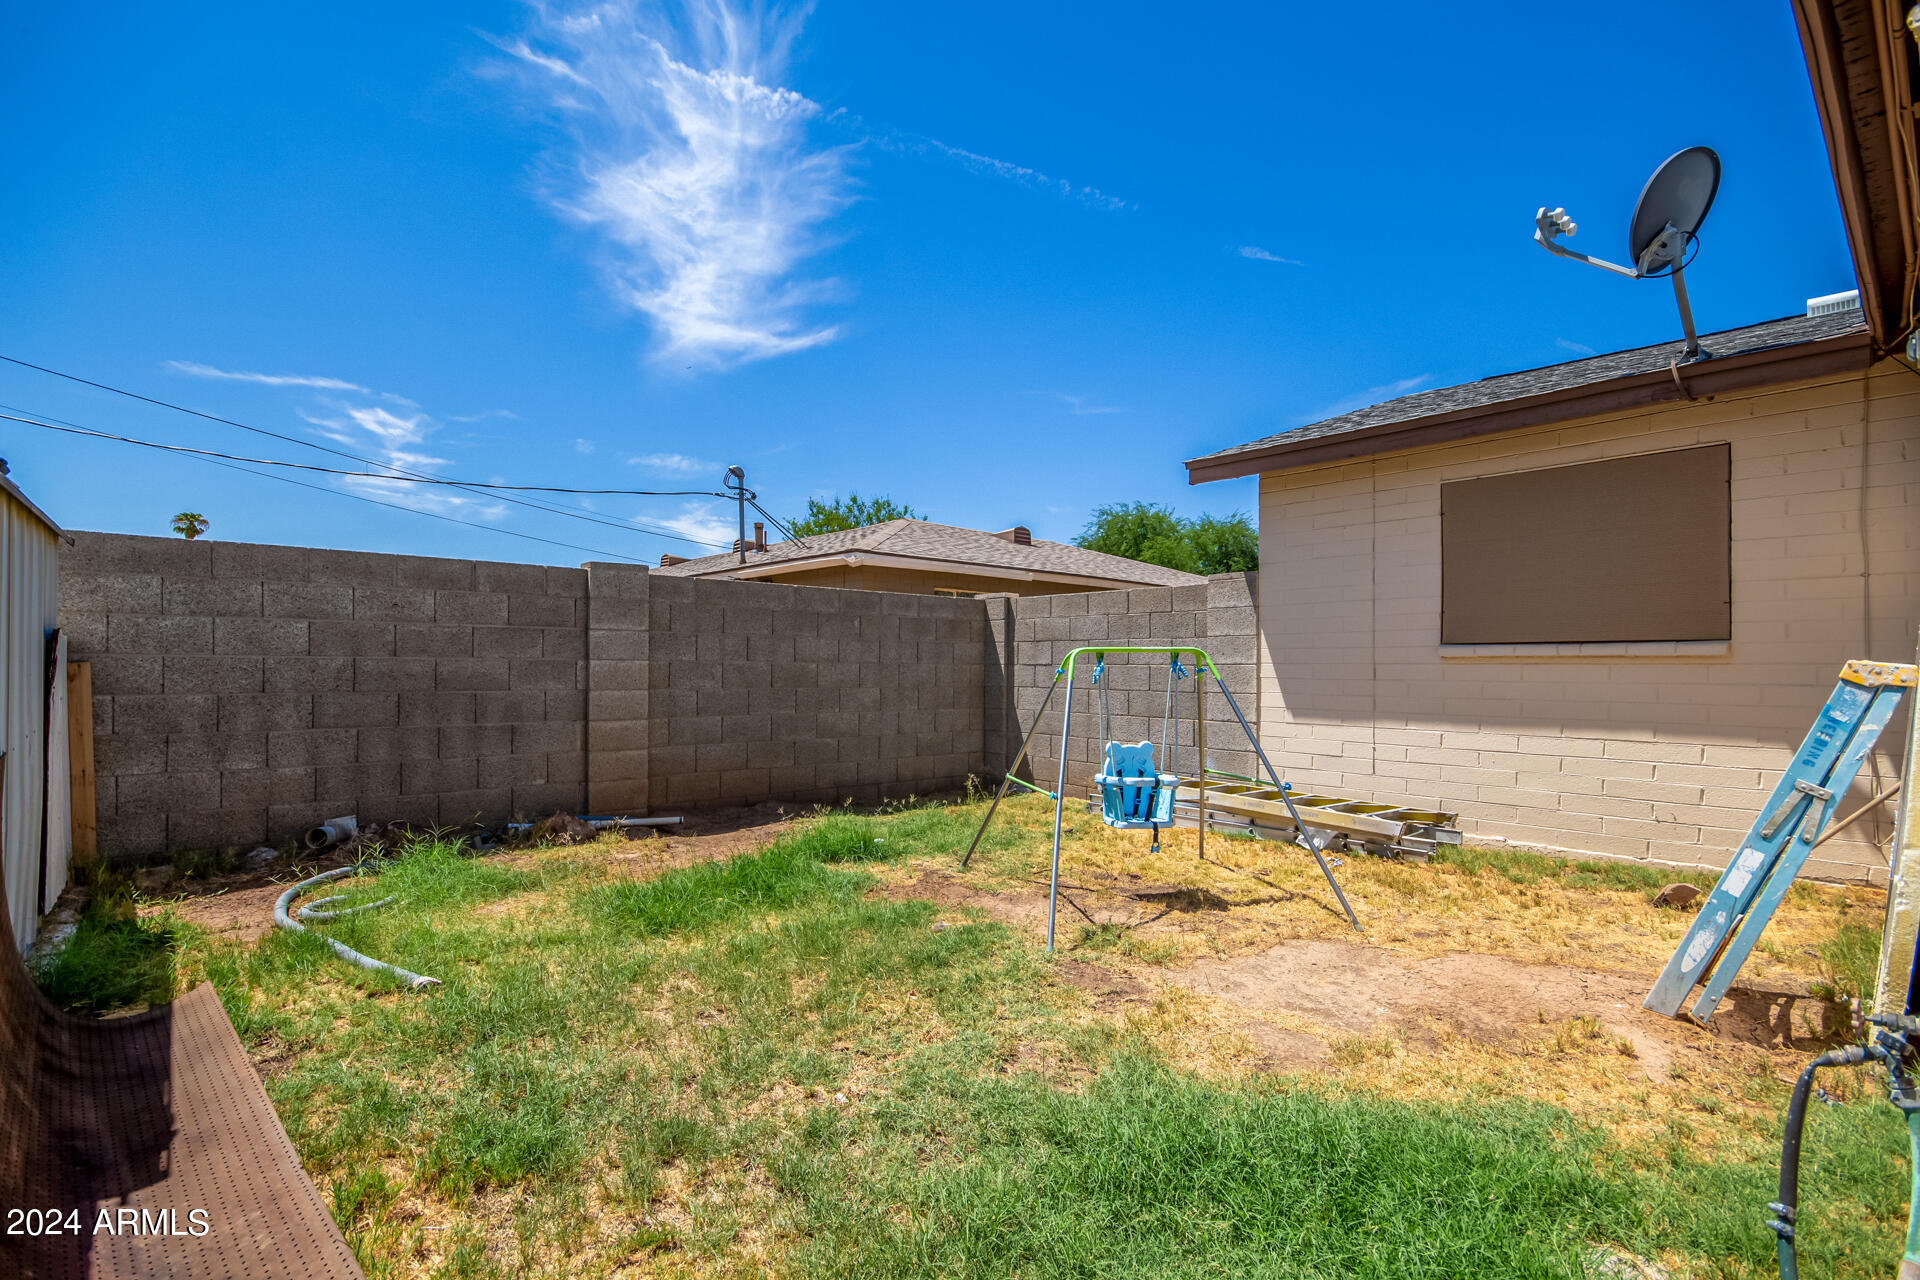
29	611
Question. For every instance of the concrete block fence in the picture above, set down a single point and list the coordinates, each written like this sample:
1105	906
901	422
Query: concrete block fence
1218	617
242	692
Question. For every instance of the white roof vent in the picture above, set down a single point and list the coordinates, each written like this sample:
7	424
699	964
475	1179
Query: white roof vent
1833	304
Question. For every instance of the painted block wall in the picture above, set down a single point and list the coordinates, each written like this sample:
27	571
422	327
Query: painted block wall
1648	752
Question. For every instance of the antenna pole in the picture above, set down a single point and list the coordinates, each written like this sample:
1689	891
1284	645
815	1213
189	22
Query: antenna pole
1686	314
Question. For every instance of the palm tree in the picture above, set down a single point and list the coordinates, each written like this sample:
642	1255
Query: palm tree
190	524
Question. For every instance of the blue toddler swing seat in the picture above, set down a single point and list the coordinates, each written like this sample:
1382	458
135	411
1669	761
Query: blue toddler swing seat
1134	794
1133	791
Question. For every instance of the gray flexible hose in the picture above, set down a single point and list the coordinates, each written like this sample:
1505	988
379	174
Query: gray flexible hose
341	949
311	910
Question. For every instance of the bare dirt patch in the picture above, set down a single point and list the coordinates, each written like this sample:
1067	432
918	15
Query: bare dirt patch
1295	999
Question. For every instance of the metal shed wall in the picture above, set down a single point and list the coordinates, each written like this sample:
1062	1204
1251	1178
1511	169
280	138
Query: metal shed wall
29	611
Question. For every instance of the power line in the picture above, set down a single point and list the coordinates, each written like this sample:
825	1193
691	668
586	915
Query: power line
397	477
559	508
233	465
394	506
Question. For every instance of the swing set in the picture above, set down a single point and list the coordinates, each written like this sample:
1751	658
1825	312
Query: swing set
1135	794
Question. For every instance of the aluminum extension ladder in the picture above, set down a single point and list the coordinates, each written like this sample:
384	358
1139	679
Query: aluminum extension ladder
1776	846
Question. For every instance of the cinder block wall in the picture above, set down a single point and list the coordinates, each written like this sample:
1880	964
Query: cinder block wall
243	693
1218	617
762	691
1644	751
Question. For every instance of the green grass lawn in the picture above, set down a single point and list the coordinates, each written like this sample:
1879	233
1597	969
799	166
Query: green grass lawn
754	1066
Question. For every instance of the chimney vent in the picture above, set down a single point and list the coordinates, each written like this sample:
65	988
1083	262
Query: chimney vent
759	536
1833	304
668	559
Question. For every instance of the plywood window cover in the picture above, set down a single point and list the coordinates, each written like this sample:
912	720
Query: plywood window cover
1619	551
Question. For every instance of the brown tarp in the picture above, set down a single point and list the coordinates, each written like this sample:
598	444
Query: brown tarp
1622	550
135	1123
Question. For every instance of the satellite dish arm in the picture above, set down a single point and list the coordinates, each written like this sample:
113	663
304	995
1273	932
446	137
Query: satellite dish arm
1550	224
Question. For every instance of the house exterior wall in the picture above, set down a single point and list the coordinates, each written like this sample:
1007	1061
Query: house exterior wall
29	607
1661	752
917	582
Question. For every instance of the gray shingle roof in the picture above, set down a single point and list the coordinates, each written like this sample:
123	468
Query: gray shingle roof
1504	387
923	540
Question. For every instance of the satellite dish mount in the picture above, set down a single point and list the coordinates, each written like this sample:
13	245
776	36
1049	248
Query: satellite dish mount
1662	238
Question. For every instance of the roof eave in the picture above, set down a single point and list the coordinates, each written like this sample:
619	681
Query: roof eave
1857	62
12	490
1774	365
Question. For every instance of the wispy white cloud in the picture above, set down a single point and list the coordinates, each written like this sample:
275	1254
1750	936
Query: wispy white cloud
483	415
340	411
987	166
584	445
678	463
1578	348
1081	407
397	443
702	522
1370	396
194	369
311	382
1258	254
696	168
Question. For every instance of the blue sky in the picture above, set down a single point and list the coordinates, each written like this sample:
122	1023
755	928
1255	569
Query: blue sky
1005	263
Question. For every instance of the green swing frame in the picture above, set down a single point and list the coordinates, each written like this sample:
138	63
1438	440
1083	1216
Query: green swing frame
1203	667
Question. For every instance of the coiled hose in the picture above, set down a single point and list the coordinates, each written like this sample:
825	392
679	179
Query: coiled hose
286	920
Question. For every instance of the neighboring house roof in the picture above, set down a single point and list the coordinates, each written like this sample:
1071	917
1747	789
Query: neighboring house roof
1867	116
935	548
1776	351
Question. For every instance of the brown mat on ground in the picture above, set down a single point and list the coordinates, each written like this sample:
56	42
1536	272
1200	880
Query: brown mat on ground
133	1125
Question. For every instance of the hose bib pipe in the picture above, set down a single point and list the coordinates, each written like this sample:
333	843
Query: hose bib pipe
341	949
1787	1207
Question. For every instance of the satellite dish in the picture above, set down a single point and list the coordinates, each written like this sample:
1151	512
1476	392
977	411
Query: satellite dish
1666	221
1678	195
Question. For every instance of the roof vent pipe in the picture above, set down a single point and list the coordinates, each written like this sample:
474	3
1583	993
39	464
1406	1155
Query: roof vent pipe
1833	304
759	535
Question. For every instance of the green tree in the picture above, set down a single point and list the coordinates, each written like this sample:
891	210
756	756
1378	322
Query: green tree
190	524
1225	544
850	512
1152	533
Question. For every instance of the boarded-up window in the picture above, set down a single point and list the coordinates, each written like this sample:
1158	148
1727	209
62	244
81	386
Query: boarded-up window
1623	550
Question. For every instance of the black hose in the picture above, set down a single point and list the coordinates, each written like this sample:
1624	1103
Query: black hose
1787	1207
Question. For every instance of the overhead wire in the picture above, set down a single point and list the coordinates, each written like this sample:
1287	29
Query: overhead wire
567	510
436	515
396	476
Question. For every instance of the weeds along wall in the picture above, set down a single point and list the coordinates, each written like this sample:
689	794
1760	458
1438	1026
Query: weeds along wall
243	692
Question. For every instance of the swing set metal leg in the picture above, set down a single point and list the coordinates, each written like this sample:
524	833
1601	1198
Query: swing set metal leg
1007	780
1306	837
1059	800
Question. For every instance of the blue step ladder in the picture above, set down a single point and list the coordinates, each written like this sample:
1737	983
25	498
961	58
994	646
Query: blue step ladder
1776	846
